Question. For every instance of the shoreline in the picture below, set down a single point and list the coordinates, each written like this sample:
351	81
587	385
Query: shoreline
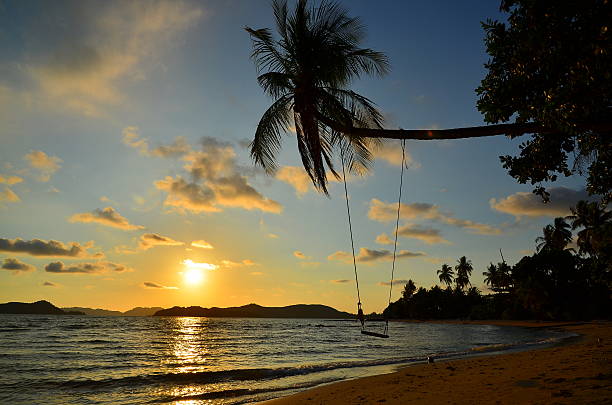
574	370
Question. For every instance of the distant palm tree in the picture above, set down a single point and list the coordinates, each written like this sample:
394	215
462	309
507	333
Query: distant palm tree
592	218
409	290
463	270
445	274
491	276
307	72
555	237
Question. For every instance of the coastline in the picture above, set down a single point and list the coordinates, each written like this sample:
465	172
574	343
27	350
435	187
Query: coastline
575	371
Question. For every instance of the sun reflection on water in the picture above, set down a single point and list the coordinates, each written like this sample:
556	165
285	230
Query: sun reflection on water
188	351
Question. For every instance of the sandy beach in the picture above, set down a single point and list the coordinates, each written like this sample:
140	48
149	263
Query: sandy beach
578	372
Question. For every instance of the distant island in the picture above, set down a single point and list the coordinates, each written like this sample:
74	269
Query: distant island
138	311
314	311
257	311
36	308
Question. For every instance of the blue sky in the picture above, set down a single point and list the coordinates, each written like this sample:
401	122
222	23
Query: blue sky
123	131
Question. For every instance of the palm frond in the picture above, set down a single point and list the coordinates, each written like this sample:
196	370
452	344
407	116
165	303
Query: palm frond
268	136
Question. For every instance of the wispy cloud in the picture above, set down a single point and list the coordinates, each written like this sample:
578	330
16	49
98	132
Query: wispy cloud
371	256
45	165
202	244
10	180
8	195
86	268
386	212
299	255
156	286
107	217
50	284
341	281
149	240
395	282
83	66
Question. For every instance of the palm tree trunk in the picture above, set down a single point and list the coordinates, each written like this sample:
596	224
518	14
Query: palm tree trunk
456	133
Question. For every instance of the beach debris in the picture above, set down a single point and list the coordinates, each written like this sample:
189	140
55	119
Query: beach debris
430	359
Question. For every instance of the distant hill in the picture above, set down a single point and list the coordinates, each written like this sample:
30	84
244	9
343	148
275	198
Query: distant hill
138	311
257	311
38	307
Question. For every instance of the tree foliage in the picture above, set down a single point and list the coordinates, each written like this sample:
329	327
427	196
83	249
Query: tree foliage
550	64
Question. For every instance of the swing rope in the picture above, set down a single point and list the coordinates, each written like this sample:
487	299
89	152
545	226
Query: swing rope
399	204
360	314
348	214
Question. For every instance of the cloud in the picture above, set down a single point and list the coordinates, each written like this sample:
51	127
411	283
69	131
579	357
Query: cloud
217	181
45	165
386	212
7	195
107	217
228	264
256	273
10	180
391	152
86	268
195	265
202	244
132	138
395	282
272	236
49	284
83	66
39	247
384	239
16	265
149	240
310	265
342	281
372	255
524	204
430	236
299	255
155	286
295	177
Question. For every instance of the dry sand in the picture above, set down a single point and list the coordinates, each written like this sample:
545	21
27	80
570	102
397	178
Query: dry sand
576	373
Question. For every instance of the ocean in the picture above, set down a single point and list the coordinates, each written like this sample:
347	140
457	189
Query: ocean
156	360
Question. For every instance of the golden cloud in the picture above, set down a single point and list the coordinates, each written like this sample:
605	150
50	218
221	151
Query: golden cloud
7	195
366	255
524	204
16	265
149	240
156	286
10	180
202	244
107	217
45	164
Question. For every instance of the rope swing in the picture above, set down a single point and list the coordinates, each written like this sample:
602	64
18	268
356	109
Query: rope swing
360	314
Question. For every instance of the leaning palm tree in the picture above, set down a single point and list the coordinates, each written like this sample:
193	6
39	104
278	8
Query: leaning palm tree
445	274
308	71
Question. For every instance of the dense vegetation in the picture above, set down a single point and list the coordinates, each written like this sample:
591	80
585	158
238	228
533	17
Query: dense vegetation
556	282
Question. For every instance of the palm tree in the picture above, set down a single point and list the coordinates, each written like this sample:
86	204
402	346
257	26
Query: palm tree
409	290
491	277
555	237
464	271
592	218
445	274
307	72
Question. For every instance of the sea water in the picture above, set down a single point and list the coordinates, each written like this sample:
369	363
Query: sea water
139	360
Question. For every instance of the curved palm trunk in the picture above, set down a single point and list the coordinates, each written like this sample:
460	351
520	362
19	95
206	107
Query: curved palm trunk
455	133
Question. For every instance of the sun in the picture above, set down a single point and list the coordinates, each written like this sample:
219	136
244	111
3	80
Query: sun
194	271
193	276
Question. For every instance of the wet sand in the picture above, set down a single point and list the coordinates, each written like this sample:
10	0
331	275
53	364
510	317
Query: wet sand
578	372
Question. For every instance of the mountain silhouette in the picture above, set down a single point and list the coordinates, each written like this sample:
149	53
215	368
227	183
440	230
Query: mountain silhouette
39	307
257	311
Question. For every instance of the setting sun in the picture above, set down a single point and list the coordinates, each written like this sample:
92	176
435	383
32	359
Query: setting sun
193	276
